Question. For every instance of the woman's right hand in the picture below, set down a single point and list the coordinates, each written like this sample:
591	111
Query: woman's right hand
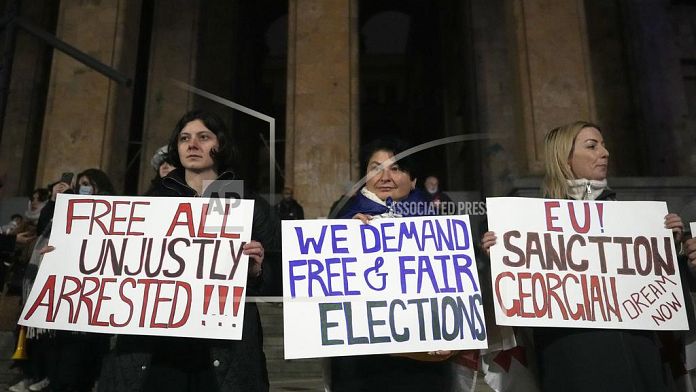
364	218
489	239
58	188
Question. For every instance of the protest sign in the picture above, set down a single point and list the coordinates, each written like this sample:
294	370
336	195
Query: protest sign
589	264
692	226
391	286
146	266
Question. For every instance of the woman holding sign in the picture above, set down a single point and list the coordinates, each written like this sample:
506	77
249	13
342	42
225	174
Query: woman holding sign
201	149
570	359
390	191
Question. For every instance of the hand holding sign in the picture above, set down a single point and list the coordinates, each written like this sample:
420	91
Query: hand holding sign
391	286
674	223
152	266
690	247
585	264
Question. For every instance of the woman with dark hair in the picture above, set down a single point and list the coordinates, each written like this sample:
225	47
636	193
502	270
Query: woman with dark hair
72	360
590	359
202	152
94	182
390	191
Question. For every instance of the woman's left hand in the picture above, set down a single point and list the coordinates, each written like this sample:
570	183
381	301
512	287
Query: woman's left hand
674	223
254	250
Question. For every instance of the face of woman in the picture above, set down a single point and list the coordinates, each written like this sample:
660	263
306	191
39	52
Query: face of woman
35	202
85	187
389	180
196	142
590	159
164	169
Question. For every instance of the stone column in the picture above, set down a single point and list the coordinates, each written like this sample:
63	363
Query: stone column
172	57
322	101
83	125
21	131
554	70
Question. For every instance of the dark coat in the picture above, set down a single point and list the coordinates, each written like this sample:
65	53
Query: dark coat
147	363
582	359
386	372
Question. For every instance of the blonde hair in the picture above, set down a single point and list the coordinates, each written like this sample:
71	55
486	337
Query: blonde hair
558	148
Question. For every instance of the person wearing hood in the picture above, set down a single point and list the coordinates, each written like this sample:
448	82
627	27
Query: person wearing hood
162	165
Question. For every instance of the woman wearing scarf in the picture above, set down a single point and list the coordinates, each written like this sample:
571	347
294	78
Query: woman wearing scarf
390	192
585	359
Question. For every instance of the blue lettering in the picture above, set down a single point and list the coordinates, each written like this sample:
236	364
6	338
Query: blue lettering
463	235
293	278
375	238
334	244
405	271
304	245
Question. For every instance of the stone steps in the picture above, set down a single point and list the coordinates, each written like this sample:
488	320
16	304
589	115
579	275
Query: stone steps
290	375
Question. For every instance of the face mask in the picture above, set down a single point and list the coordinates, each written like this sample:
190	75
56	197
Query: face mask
431	189
85	190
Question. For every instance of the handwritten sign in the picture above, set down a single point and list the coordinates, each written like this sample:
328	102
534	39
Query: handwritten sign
588	264
394	285
147	266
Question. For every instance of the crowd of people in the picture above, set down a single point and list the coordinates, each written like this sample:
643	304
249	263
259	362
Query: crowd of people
200	150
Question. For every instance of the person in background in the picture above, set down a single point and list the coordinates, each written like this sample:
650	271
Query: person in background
10	227
71	361
162	165
288	208
437	196
591	359
39	198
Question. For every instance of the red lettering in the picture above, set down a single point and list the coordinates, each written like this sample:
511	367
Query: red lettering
71	213
101	297
539	311
97	218
47	290
115	218
201	227
85	299
550	218
552	294
522	295
133	218
223	233
184	208
574	220
66	296
513	310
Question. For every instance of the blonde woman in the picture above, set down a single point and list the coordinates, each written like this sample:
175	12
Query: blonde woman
569	359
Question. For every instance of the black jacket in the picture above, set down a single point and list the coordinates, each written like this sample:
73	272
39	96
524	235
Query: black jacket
146	363
583	359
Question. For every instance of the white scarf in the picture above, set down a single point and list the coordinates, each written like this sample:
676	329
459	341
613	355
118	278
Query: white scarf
583	189
376	199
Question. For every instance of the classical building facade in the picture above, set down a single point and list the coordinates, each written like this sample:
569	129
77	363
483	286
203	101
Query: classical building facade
337	73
